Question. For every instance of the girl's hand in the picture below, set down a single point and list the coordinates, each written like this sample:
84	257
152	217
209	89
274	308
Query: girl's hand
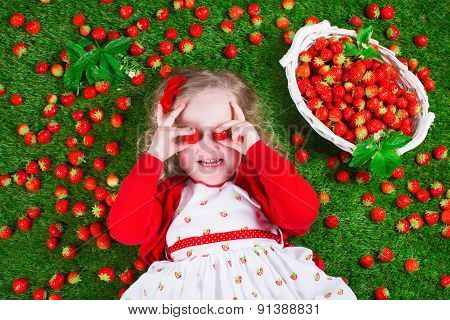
243	133
164	143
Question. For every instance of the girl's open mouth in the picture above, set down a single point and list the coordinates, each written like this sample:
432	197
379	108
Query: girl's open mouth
210	163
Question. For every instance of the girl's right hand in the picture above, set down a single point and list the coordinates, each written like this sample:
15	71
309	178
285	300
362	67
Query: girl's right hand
165	143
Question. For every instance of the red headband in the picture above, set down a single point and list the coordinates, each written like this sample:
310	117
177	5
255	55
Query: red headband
172	88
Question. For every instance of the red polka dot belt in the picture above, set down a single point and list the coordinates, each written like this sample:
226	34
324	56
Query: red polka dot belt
224	236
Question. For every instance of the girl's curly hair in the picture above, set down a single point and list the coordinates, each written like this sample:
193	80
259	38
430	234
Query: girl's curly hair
199	79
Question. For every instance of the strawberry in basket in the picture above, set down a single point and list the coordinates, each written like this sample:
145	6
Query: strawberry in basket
354	92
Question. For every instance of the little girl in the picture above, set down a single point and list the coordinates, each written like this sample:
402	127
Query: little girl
216	228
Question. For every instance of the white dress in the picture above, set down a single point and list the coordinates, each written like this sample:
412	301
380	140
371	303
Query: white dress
255	268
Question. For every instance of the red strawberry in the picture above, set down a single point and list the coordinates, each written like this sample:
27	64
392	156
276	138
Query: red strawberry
387	187
106	274
112	148
324	198
403	201
127	277
331	221
196	30
373	11
415	221
75	175
381	293
165	47
24	224
392	33
16	99
61	170
104	241
84	233
124	103
357	71
138	79
355	21
83	126
342	176
33	213
32	167
186	45
76	157
39	294
411	265
431	217
162	14
227	26
41	67
423	158
311	20
297	139
125	11
33	184
171	34
5	232
62	206
143	24
79	208
413	186
236	12
445	281
362	177
366	261
69	252
73	277
386	255
422	195
387	13
17	19
421	40
193	138
440	152
98	33
230	51
367	199
102	87
57	281
437	189
52	243
33	27
178	4
96	229
333	163
55	296
99	164
139	264
446	232
202	13
402	226
53	126
219	136
20	285
55	229
378	214
256	38
253	9
398	173
44	163
301	155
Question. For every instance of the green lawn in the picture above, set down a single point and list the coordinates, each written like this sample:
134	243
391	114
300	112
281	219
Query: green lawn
26	254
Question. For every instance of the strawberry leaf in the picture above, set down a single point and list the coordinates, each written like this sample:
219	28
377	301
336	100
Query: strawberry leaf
394	140
118	46
74	51
350	49
370	53
364	151
114	67
364	36
384	162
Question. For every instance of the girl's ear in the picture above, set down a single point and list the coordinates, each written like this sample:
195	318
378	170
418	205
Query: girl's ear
159	114
238	114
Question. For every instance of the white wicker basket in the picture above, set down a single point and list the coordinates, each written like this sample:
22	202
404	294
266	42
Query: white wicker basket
304	38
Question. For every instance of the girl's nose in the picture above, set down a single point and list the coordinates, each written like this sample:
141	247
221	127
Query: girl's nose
207	140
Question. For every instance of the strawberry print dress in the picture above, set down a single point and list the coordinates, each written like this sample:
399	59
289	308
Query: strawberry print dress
220	245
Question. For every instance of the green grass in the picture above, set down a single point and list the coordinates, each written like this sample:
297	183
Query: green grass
25	254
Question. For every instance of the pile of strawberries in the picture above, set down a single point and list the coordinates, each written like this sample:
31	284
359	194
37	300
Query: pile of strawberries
355	99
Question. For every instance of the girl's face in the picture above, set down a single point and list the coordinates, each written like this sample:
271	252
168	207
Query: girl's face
208	161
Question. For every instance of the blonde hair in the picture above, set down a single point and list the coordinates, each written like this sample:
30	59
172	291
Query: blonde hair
199	79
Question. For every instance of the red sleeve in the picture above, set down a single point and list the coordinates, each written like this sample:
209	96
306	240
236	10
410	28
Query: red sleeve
293	203
137	212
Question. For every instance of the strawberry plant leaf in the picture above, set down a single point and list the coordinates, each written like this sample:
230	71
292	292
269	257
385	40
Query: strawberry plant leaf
118	46
394	140
74	51
364	151
370	53
350	49
104	69
114	67
72	78
384	162
363	36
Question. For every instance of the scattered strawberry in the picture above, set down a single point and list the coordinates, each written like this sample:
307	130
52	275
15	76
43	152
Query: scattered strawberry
421	41
196	30
73	277
403	201
126	11
387	13
366	261
33	27
402	226
381	293
342	176
411	265
5	232
422	195
311	20
57	281
386	255
186	45
355	21
367	199
24	224
39	294
104	241
331	221
127	277
202	13
362	177
69	252
20	285
373	11
437	189
230	51
236	12
140	265
301	156
282	23
445	281
415	221
106	274
392	33
378	214
440	152
17	19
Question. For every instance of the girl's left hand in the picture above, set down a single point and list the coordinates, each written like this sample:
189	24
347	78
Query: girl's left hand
243	133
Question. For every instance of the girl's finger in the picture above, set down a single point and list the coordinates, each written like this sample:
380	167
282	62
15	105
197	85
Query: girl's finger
171	117
238	132
228	143
239	114
159	115
226	125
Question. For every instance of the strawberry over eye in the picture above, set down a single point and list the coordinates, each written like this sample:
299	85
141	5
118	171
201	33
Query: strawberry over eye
219	136
193	138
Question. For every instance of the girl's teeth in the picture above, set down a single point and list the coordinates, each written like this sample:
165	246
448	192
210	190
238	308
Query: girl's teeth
211	163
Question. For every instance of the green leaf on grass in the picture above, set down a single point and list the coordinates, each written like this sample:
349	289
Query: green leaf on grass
394	141
350	49
114	67
74	51
118	46
364	35
385	162
365	150
370	53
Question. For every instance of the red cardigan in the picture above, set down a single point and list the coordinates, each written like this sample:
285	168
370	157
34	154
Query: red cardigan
143	209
